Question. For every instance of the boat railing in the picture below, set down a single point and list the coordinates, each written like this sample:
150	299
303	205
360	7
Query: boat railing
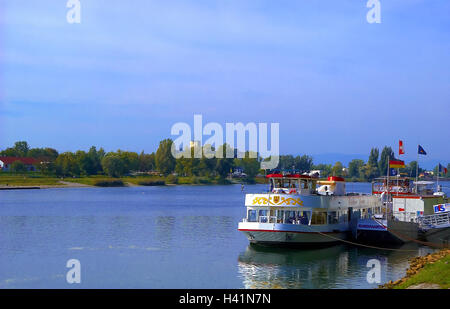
435	221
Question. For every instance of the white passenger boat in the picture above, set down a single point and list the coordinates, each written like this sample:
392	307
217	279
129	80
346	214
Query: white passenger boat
301	210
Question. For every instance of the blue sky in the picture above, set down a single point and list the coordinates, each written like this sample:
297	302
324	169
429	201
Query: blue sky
131	69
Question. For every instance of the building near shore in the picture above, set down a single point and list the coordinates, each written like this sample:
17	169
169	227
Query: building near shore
31	164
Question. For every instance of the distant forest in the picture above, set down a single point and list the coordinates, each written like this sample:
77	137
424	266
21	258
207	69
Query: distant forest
120	163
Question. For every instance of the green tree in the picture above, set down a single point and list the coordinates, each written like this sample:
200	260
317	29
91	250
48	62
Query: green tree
224	165
146	162
95	158
337	169
21	148
47	167
303	163
373	157
84	162
207	166
165	162
386	155
66	164
410	169
113	165
369	172
18	167
130	159
354	168
251	166
325	169
373	164
286	162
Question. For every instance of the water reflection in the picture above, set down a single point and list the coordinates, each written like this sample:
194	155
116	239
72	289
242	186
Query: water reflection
340	266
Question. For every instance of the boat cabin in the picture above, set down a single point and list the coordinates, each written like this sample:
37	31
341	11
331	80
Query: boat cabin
305	185
291	184
393	185
296	199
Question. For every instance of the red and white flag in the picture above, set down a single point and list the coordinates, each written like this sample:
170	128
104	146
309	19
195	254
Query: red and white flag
400	148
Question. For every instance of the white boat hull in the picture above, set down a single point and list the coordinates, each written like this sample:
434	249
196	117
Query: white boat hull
290	234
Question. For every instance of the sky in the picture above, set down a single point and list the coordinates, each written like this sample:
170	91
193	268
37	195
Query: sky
131	69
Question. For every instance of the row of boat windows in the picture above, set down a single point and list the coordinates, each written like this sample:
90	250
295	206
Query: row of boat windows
297	217
290	186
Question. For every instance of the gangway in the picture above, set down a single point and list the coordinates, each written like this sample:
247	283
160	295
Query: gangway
439	220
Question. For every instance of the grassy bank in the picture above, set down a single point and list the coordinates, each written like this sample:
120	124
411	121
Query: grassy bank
36	179
28	180
430	271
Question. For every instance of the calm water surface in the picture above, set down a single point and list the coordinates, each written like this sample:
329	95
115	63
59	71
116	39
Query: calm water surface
165	237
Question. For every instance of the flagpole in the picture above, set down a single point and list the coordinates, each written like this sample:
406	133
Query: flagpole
417	167
437	182
387	188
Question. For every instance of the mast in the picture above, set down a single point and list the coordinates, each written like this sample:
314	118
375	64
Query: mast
387	187
437	177
417	169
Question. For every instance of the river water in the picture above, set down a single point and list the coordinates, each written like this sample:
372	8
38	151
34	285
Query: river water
166	237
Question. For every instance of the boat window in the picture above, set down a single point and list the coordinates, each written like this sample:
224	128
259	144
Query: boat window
342	216
332	217
263	216
319	217
280	216
303	217
290	217
251	216
304	184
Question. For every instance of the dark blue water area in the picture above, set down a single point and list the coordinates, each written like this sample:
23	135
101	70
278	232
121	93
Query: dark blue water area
165	237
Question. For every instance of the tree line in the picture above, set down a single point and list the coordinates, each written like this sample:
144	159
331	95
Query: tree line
120	163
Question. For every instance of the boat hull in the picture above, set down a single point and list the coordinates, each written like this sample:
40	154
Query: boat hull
292	235
382	231
438	236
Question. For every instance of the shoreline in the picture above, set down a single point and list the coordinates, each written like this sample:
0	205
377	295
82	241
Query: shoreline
24	183
431	271
64	185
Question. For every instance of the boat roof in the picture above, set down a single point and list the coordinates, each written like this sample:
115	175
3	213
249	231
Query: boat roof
288	176
391	178
423	182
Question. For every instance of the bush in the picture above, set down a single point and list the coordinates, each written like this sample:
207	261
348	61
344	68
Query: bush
223	181
109	183
152	183
171	179
204	181
250	180
18	167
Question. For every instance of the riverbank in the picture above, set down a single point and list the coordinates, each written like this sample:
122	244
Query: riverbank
37	181
431	271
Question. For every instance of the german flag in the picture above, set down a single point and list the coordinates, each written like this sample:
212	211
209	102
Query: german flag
396	164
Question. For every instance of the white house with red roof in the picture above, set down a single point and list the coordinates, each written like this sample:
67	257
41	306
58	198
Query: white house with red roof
30	163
